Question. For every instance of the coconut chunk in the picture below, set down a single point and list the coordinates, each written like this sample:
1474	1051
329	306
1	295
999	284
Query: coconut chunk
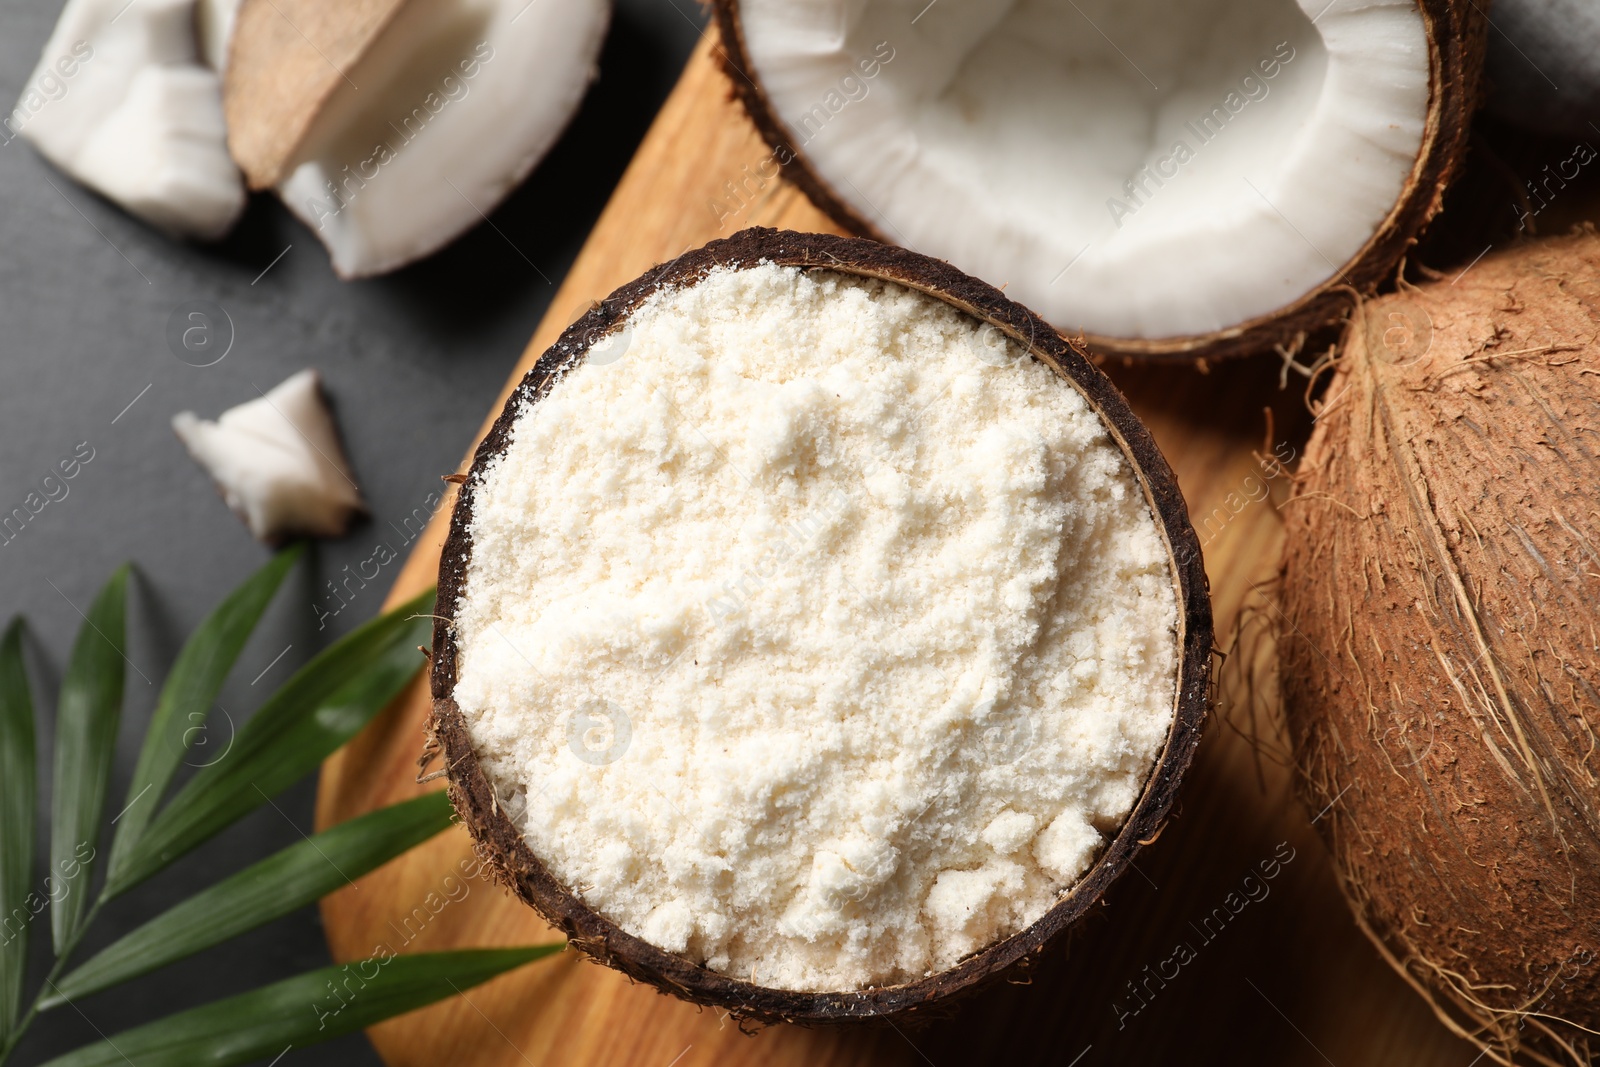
456	104
120	103
277	462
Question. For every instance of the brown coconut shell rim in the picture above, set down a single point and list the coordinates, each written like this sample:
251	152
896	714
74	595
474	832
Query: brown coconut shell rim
1456	32
514	863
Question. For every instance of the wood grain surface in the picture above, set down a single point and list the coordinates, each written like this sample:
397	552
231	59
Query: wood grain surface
1197	957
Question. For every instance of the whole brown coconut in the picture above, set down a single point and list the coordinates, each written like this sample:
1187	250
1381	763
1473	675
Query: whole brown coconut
1441	651
1455	33
514	864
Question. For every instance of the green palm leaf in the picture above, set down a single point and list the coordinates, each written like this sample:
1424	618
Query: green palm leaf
325	704
189	692
290	879
301	1011
18	799
87	715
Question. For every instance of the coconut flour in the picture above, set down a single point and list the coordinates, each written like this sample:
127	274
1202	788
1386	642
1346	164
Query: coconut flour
813	632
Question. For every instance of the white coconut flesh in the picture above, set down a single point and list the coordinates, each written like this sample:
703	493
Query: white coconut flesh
277	461
120	101
213	27
447	112
1132	168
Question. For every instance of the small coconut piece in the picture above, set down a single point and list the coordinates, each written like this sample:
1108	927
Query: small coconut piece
1439	657
1544	66
441	112
1170	177
277	462
120	102
878	582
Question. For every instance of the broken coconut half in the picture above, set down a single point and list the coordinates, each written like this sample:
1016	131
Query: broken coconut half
440	110
820	633
277	462
120	102
1170	177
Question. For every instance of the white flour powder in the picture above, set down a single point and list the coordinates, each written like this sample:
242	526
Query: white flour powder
806	641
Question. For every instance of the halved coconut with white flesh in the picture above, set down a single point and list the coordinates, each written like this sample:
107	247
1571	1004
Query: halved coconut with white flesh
444	110
820	634
1168	177
120	102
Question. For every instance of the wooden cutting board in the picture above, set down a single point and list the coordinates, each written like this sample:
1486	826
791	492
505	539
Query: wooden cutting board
1196	957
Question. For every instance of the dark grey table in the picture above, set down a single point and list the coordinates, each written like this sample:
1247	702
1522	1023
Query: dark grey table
412	362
